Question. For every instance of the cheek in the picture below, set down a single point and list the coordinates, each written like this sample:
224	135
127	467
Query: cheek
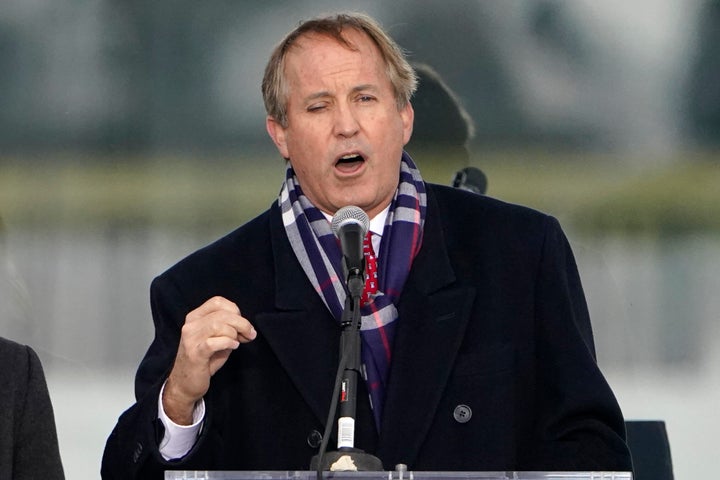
395	131
309	170
306	143
303	170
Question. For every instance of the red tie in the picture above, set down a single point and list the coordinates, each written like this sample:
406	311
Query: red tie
371	280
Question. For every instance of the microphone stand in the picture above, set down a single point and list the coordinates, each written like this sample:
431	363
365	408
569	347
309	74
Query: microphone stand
347	457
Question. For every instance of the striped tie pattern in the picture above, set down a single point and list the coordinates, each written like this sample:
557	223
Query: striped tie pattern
371	276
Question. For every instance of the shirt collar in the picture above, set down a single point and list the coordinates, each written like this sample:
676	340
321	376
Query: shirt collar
377	223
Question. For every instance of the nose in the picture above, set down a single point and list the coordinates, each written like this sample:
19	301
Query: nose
346	125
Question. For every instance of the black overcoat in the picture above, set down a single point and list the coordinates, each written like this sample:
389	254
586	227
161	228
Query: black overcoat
493	326
28	439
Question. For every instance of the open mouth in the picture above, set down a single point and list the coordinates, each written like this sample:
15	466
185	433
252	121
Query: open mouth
349	163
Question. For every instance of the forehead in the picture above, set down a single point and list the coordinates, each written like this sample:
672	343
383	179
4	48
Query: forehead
315	55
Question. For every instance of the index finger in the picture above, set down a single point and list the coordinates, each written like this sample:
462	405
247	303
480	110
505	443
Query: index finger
216	304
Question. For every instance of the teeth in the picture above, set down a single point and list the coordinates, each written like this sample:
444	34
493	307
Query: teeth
349	156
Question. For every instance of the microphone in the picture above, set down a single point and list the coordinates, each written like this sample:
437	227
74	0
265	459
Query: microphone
350	224
471	179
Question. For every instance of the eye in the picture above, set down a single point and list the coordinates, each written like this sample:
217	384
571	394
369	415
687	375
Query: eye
316	107
365	98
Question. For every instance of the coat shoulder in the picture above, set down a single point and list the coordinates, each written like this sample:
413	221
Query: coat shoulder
242	244
470	212
15	357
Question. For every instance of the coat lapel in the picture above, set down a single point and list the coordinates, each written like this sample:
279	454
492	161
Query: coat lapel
301	331
433	316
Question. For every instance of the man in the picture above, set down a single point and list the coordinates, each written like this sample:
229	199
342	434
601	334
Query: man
477	345
28	439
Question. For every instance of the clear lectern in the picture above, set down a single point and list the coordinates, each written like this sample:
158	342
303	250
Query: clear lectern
395	475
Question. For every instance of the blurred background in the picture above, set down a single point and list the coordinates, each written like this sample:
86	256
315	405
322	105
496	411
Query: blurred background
132	133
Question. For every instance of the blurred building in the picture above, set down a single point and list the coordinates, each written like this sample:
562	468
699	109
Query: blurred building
134	76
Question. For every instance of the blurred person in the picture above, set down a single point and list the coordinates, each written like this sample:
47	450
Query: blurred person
476	346
442	131
28	438
15	318
703	95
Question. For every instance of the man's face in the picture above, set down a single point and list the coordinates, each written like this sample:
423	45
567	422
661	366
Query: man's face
345	134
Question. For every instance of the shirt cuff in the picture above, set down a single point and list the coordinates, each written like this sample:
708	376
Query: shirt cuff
178	440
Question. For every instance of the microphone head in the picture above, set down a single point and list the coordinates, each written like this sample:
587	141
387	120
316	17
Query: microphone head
471	179
350	215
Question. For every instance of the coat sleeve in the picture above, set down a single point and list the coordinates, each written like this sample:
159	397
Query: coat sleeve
132	449
579	424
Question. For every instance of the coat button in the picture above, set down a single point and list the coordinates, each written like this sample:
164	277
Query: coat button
314	439
462	414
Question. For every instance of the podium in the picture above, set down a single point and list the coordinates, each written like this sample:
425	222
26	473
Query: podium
394	475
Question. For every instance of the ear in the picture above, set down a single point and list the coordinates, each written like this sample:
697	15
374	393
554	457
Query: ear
278	134
407	114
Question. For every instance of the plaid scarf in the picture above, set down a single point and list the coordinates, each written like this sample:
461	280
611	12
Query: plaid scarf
319	253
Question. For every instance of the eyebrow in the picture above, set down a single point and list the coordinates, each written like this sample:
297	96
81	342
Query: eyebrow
315	96
326	93
367	86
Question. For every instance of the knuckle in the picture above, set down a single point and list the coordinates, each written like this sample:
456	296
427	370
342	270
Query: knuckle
186	329
218	302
